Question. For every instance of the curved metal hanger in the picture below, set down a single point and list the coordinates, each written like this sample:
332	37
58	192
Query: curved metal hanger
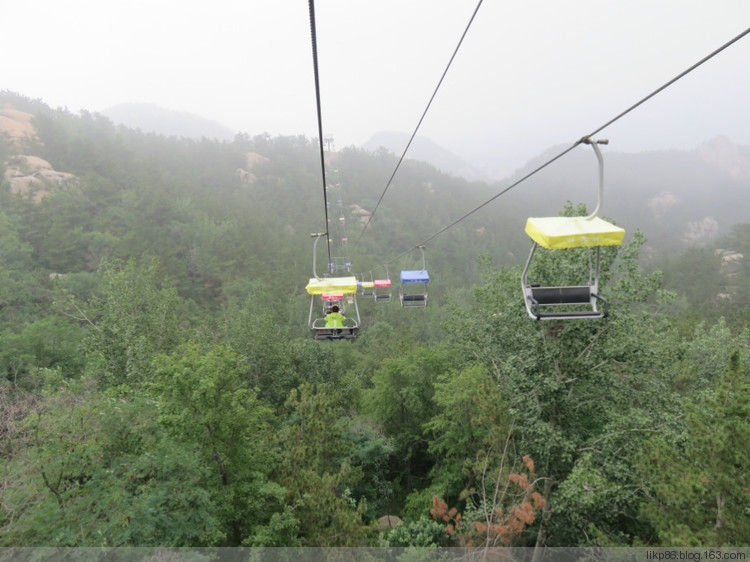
318	236
594	144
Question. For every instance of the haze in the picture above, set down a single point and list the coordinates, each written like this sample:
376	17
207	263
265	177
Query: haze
529	75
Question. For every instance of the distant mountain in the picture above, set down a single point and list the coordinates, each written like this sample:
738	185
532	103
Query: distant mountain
151	118
425	150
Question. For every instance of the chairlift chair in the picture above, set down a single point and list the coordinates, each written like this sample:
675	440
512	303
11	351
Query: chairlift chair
413	291
340	265
553	233
331	290
367	288
382	290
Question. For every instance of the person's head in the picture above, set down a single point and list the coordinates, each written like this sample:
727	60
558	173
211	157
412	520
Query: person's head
334	308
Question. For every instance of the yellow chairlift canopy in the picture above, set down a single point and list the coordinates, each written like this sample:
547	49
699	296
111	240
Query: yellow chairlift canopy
342	285
556	233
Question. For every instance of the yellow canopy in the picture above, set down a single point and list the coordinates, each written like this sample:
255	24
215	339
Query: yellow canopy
344	285
556	233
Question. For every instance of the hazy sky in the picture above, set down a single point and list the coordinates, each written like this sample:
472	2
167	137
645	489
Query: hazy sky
530	74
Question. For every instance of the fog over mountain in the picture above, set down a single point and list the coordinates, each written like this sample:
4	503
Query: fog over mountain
679	198
152	118
426	150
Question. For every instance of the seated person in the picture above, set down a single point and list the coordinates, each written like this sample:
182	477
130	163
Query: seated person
334	319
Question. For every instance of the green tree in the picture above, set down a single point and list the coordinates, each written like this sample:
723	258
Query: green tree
136	317
206	406
254	330
19	288
422	533
317	472
50	342
98	471
697	472
401	401
471	419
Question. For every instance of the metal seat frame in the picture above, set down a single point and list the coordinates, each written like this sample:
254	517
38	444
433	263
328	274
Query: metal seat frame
537	297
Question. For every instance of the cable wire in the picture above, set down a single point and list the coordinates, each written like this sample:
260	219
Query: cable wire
424	113
314	37
581	140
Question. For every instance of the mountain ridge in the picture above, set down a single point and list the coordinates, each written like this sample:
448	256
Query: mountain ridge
152	118
677	197
426	150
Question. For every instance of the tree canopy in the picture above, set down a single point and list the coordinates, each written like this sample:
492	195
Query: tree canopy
159	386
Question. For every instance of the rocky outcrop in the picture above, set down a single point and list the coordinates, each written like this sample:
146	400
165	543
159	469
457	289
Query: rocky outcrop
662	203
388	522
16	125
725	155
731	262
699	232
27	175
731	267
34	177
364	214
252	159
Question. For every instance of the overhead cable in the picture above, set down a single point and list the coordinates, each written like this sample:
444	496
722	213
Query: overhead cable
311	4
424	113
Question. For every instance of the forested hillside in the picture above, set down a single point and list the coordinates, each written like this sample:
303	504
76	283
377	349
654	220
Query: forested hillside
159	385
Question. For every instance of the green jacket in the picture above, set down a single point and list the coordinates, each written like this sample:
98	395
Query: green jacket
335	320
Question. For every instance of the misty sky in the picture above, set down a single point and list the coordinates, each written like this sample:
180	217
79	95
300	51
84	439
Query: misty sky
528	76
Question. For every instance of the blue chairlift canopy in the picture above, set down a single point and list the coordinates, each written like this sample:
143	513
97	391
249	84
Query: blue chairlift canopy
415	276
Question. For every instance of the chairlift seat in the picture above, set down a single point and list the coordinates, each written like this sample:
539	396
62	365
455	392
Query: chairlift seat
334	333
413	300
561	295
582	295
349	331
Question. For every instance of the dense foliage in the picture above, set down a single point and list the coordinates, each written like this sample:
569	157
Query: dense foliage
158	385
